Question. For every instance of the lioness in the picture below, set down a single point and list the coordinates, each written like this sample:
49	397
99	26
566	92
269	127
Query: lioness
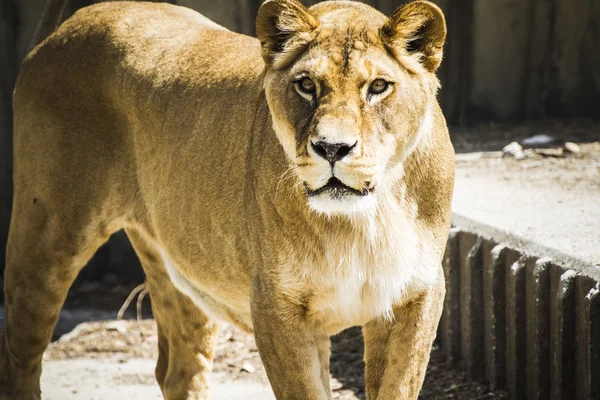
295	185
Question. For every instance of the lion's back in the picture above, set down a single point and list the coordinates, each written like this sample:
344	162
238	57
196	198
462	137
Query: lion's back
143	60
156	41
119	80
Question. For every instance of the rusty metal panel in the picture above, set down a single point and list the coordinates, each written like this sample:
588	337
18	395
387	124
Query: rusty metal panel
499	65
539	65
455	72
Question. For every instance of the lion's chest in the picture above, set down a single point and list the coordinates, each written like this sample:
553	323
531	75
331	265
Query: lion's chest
352	288
358	295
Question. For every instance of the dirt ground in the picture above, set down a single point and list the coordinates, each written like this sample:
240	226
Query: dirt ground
237	359
480	149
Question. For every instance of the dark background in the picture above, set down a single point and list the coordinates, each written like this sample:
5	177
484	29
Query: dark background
505	60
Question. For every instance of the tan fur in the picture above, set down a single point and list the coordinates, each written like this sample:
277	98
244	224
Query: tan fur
151	118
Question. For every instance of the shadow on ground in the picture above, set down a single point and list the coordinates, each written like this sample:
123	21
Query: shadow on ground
441	382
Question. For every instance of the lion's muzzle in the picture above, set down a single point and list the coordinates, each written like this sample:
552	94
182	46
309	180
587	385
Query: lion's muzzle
337	189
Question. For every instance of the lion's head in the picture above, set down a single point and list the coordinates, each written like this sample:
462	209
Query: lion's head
350	93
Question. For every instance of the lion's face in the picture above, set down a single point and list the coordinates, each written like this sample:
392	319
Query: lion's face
347	108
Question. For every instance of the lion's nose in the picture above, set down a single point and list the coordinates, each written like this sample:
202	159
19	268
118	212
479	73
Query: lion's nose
332	152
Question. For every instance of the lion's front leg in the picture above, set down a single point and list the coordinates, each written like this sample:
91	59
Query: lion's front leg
295	353
397	352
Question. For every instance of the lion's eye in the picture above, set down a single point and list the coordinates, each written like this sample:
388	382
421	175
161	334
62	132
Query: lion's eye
378	86
306	85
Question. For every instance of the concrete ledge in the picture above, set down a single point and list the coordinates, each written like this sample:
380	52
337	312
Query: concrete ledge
532	246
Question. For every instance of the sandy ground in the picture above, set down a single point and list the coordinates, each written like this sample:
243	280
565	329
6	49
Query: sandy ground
114	360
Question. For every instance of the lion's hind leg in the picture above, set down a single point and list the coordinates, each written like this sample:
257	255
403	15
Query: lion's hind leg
49	242
186	336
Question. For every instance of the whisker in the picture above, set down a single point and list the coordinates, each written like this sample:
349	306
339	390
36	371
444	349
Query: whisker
283	178
362	165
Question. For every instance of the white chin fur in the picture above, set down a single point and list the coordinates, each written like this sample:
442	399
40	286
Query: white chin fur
348	205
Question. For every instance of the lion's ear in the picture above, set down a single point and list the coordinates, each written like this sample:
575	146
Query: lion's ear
284	28
417	28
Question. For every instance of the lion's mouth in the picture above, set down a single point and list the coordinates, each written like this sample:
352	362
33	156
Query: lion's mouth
336	189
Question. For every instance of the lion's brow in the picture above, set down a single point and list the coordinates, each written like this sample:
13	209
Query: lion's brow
353	34
348	44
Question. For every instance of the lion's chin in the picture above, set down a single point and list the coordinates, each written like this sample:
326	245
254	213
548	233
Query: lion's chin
328	204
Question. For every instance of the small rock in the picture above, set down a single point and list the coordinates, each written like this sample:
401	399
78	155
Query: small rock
335	384
515	150
248	368
572	147
118	326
